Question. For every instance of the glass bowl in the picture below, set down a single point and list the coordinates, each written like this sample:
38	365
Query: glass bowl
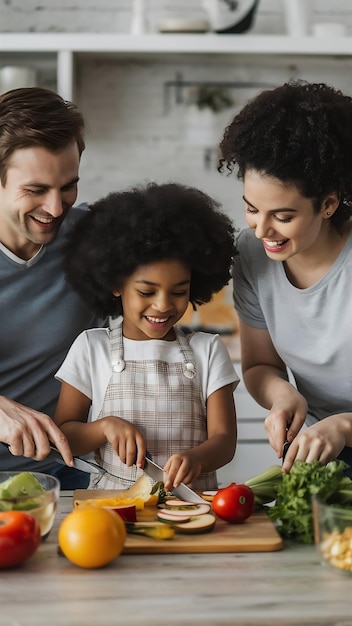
333	535
42	506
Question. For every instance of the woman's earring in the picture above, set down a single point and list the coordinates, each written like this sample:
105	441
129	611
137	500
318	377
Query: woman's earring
328	213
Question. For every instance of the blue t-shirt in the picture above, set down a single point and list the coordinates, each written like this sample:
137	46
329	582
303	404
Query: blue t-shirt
40	318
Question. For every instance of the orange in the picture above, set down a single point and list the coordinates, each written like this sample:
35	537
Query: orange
92	537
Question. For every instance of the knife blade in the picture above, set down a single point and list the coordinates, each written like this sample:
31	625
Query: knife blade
150	468
183	492
78	463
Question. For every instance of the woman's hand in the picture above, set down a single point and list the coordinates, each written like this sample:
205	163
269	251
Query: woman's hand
126	440
181	468
286	417
321	442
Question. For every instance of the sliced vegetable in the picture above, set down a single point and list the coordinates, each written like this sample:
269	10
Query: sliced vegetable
111	503
127	513
139	494
19	486
179	505
198	524
142	488
155	530
173	517
209	495
22	484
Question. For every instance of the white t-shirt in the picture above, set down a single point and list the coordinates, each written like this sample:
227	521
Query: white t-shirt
87	366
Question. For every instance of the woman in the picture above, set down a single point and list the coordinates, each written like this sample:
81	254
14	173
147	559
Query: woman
292	147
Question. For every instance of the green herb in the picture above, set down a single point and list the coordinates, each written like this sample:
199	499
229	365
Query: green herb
159	490
293	506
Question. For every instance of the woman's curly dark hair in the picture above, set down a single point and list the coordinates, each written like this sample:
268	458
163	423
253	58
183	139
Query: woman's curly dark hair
131	228
300	133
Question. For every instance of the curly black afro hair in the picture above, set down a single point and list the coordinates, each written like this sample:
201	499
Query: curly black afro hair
299	133
131	228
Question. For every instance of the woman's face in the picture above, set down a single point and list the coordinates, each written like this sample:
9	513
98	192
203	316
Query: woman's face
282	218
154	298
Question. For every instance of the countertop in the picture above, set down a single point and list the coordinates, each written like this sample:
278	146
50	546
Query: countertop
287	587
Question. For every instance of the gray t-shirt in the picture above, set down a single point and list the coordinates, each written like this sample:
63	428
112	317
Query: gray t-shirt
40	317
311	328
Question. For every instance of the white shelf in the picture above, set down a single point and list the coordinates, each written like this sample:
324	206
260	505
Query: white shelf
67	45
173	43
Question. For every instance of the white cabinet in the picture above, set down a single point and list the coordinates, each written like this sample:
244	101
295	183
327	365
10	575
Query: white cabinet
254	453
66	49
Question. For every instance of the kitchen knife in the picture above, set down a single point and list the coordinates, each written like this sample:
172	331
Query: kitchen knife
182	491
82	464
78	463
150	468
284	449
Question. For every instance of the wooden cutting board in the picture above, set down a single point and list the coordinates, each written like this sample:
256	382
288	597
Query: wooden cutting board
257	534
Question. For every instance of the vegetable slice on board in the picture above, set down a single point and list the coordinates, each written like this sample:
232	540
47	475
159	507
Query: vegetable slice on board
198	524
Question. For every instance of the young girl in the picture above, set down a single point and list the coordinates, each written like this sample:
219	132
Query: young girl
143	384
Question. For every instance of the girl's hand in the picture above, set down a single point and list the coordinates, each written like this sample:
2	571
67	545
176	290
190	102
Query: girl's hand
126	440
321	442
181	468
286	418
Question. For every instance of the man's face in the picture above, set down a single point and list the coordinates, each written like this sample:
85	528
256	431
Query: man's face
41	187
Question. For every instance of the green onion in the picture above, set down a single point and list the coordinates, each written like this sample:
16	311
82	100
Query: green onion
265	484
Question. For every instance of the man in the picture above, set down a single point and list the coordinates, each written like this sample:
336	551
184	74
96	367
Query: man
41	142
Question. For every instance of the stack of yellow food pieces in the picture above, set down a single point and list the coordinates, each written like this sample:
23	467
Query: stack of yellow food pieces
138	494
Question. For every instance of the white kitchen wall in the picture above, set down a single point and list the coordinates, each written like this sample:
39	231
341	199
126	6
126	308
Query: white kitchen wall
136	131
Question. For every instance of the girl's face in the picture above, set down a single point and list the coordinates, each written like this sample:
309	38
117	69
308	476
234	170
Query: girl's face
154	298
282	218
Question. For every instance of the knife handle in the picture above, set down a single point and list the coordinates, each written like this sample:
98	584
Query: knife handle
285	447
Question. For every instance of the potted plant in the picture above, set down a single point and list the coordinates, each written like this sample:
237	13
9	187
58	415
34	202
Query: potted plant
207	114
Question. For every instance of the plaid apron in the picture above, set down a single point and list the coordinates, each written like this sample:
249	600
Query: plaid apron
163	400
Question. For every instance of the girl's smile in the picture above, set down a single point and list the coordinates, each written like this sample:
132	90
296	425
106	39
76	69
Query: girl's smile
154	298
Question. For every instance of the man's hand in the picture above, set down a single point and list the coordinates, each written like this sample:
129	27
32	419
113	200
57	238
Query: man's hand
29	433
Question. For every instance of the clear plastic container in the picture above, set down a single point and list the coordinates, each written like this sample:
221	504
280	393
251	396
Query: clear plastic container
333	535
42	506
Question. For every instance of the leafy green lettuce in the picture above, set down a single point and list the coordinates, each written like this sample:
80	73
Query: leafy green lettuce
293	506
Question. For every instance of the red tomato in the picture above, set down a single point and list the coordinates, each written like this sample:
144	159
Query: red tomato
234	503
19	537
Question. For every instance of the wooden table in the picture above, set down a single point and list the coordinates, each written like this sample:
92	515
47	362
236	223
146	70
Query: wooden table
287	587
